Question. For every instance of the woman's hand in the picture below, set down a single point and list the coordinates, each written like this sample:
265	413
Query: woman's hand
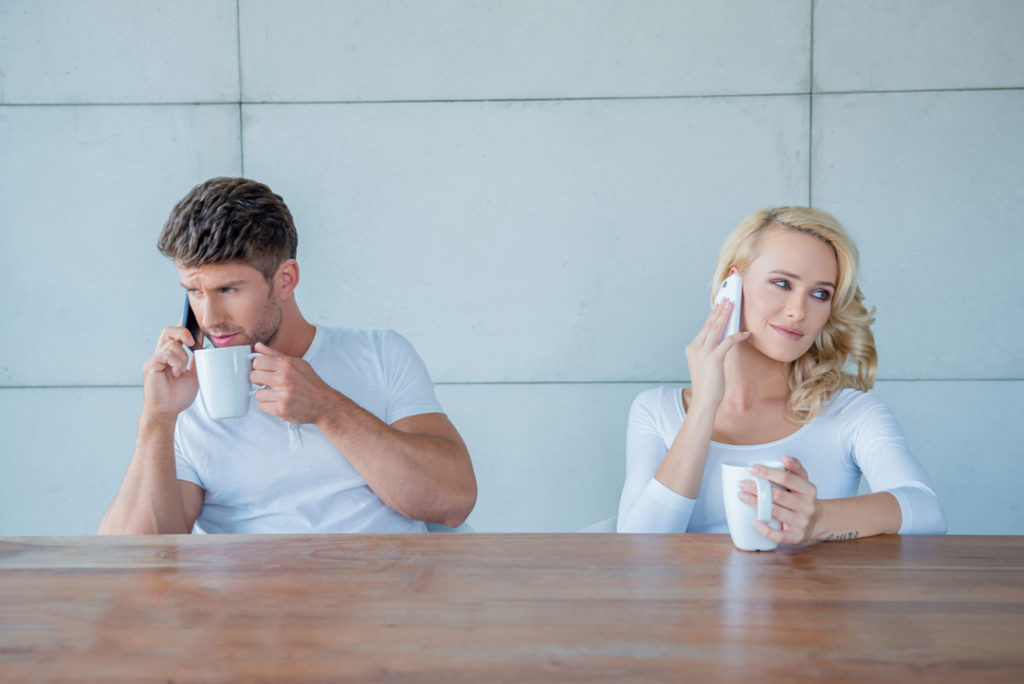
795	505
706	357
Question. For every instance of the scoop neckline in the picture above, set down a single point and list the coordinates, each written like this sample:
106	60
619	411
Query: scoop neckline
760	445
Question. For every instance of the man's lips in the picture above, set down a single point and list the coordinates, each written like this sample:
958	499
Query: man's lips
222	340
791	333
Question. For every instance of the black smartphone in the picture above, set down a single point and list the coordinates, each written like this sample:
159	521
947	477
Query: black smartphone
189	322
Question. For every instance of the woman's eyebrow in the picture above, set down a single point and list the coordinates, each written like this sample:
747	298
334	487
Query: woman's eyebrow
794	276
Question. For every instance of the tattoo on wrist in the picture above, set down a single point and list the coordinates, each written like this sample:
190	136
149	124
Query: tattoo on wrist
841	536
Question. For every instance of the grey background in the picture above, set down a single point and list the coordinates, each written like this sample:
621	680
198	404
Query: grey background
534	193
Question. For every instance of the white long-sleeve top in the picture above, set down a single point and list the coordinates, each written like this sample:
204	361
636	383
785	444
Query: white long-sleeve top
855	434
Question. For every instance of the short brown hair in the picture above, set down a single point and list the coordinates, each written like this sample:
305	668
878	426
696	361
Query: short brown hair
230	219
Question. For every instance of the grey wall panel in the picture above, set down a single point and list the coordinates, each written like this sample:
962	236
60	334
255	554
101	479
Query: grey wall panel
497	49
918	44
63	51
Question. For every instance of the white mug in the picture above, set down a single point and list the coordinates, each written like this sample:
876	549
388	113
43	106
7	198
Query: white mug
223	374
738	514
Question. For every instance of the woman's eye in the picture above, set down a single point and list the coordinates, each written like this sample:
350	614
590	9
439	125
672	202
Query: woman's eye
823	295
784	284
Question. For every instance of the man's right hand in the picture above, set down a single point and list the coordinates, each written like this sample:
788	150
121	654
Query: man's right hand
167	387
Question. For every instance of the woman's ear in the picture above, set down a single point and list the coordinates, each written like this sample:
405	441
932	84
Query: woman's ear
732	271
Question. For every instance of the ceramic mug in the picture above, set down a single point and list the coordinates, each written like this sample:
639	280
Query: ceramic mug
738	514
224	383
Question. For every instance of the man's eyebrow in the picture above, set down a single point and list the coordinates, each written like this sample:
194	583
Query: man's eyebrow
219	286
794	276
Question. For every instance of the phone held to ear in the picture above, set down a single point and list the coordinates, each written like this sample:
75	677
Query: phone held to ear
731	289
189	322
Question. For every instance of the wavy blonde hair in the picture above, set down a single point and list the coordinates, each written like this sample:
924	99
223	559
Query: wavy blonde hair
819	374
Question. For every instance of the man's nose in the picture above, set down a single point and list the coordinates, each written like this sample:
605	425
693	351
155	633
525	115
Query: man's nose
209	313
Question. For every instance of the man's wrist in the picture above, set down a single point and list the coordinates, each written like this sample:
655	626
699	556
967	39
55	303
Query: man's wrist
335	408
157	421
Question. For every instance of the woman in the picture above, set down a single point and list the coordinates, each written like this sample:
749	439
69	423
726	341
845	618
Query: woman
778	390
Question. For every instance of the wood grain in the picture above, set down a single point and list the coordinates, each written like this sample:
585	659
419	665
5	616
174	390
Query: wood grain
477	607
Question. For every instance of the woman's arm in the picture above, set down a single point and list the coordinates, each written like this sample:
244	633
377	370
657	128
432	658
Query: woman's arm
661	487
902	500
805	517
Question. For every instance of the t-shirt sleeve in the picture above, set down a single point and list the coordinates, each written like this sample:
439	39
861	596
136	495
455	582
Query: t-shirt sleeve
185	469
646	505
407	383
881	452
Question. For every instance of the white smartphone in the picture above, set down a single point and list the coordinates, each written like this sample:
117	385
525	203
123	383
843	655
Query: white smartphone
731	289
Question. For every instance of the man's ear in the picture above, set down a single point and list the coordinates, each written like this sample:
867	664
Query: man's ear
286	278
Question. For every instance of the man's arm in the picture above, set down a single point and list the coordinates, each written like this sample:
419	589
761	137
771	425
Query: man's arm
419	466
152	500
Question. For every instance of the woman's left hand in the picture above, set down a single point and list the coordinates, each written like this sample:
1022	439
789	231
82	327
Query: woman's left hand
795	506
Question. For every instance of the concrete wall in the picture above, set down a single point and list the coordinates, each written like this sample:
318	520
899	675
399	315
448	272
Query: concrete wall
533	193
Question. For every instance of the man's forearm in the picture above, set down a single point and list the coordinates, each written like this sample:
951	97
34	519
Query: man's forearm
149	501
422	476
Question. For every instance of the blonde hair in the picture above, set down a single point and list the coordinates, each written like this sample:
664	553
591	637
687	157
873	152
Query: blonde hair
817	375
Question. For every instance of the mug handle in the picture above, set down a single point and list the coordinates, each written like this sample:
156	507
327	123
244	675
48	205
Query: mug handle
764	499
257	388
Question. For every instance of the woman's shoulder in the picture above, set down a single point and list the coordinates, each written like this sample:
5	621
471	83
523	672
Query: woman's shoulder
658	401
852	404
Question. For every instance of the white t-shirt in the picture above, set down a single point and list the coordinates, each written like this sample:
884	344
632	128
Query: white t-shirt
261	474
854	434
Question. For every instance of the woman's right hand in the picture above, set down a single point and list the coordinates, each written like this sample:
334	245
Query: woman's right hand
168	387
705	357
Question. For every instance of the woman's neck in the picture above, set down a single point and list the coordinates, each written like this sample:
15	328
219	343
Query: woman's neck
751	378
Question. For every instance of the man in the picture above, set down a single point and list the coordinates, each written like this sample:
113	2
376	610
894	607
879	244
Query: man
346	434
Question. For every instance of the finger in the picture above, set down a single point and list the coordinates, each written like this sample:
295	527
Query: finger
783	478
777	536
800	504
264	378
719	317
731	341
709	323
264	349
177	334
171	355
794	466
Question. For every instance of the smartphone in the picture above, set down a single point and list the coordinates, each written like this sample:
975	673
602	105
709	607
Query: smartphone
189	322
731	289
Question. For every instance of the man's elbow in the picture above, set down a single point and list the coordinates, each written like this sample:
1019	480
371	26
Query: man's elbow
461	506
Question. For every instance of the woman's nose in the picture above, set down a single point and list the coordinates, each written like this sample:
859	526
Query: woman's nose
796	308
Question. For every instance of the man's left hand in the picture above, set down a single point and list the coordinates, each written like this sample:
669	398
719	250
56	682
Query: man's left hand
292	390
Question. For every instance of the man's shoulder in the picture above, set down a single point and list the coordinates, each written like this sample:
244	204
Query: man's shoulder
367	340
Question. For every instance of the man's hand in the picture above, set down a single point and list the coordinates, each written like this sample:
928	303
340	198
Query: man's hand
292	389
169	388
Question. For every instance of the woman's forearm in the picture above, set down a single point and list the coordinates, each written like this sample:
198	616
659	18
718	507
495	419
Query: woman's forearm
857	516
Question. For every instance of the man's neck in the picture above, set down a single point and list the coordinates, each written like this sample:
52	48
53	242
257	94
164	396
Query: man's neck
295	333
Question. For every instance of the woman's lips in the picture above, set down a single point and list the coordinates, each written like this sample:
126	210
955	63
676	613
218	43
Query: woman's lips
791	333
